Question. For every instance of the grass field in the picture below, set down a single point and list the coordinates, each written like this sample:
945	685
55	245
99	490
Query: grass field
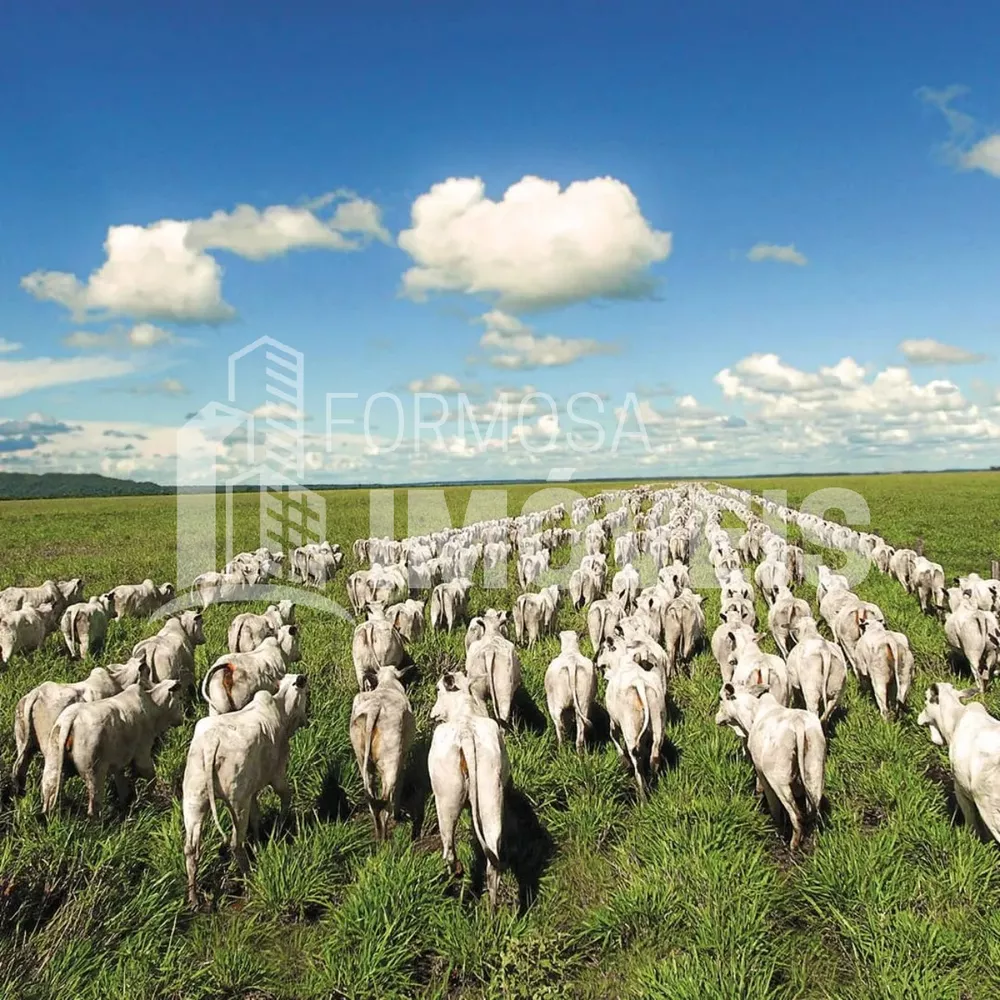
692	895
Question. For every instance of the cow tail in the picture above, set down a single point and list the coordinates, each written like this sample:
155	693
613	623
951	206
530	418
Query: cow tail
212	671
23	722
580	714
371	721
239	635
468	751
71	632
490	658
826	658
61	741
800	746
209	763
519	619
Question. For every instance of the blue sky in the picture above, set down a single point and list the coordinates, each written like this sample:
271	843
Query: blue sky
672	144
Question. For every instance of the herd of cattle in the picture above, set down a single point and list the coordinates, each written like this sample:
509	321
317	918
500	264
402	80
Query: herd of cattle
644	622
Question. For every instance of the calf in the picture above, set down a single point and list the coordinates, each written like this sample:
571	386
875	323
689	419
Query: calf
570	686
233	680
106	736
234	757
382	728
248	631
37	711
788	750
468	765
85	625
972	736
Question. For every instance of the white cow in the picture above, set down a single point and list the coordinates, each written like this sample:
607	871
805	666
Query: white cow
234	757
85	625
884	657
788	750
170	653
248	631
106	736
816	669
972	736
382	729
38	710
233	680
468	765
25	630
570	686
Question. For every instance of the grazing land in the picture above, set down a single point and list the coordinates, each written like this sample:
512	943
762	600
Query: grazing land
691	895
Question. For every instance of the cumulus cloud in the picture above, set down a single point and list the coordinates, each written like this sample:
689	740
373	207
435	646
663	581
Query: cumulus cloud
515	346
163	272
933	352
773	251
257	234
538	246
150	273
8	346
984	155
778	391
20	377
139	337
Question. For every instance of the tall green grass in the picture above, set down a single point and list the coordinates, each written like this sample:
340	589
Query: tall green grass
693	894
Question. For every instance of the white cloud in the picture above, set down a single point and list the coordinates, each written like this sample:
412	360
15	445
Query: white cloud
150	273
140	336
436	383
257	234
8	346
163	272
782	254
984	155
539	246
20	377
515	346
960	148
933	352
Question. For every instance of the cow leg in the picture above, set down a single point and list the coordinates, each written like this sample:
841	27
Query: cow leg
970	813
791	807
284	793
556	712
123	789
253	824
194	814
449	808
25	752
237	843
95	781
881	693
492	882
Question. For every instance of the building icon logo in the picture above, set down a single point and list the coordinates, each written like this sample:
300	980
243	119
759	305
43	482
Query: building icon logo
228	449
